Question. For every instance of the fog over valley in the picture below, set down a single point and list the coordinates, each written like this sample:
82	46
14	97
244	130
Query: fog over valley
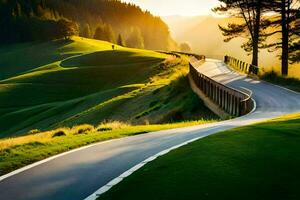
204	37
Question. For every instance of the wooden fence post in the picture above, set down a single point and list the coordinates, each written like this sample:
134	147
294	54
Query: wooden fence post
228	99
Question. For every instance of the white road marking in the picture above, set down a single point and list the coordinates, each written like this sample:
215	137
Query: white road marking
5	176
117	180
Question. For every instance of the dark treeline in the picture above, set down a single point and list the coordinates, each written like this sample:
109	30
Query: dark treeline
29	20
262	19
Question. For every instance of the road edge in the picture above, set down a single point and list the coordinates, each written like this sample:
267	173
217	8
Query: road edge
127	173
27	167
22	169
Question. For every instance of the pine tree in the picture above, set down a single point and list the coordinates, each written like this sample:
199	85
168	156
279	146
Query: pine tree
86	31
135	39
110	34
19	23
120	41
287	24
252	26
105	33
99	33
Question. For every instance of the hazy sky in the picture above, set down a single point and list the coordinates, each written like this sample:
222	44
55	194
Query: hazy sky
176	7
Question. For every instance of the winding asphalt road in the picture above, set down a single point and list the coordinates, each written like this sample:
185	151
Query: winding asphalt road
76	175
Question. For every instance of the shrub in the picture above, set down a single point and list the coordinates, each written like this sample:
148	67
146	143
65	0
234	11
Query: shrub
108	126
82	129
59	133
34	131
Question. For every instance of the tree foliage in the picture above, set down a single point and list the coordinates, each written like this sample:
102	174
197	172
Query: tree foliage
294	52
258	25
23	21
22	18
285	23
105	32
66	28
250	27
185	47
120	41
85	31
135	38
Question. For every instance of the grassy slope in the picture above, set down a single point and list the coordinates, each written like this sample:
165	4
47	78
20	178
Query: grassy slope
254	162
291	83
24	150
67	83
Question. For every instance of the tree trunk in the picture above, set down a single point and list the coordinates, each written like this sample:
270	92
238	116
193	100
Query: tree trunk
285	39
256	34
255	53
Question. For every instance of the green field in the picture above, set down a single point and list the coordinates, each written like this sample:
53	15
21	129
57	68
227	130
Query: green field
58	95
64	83
255	162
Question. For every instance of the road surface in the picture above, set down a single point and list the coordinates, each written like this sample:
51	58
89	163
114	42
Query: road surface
76	175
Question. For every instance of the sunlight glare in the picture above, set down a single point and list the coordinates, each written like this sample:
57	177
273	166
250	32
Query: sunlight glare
176	7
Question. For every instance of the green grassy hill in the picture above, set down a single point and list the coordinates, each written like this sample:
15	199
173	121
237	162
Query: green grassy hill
54	84
260	162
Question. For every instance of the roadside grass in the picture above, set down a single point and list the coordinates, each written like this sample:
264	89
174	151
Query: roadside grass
21	151
80	92
291	83
84	82
260	161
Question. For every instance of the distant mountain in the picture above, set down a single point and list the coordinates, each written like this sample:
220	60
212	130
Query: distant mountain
202	33
176	22
204	36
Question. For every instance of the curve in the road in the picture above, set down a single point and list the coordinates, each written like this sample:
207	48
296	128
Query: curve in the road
78	174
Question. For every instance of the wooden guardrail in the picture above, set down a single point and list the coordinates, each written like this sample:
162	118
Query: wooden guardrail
177	54
199	57
241	65
171	53
232	101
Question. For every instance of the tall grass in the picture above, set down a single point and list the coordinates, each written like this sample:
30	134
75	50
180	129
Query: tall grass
48	136
259	161
20	151
291	83
164	100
